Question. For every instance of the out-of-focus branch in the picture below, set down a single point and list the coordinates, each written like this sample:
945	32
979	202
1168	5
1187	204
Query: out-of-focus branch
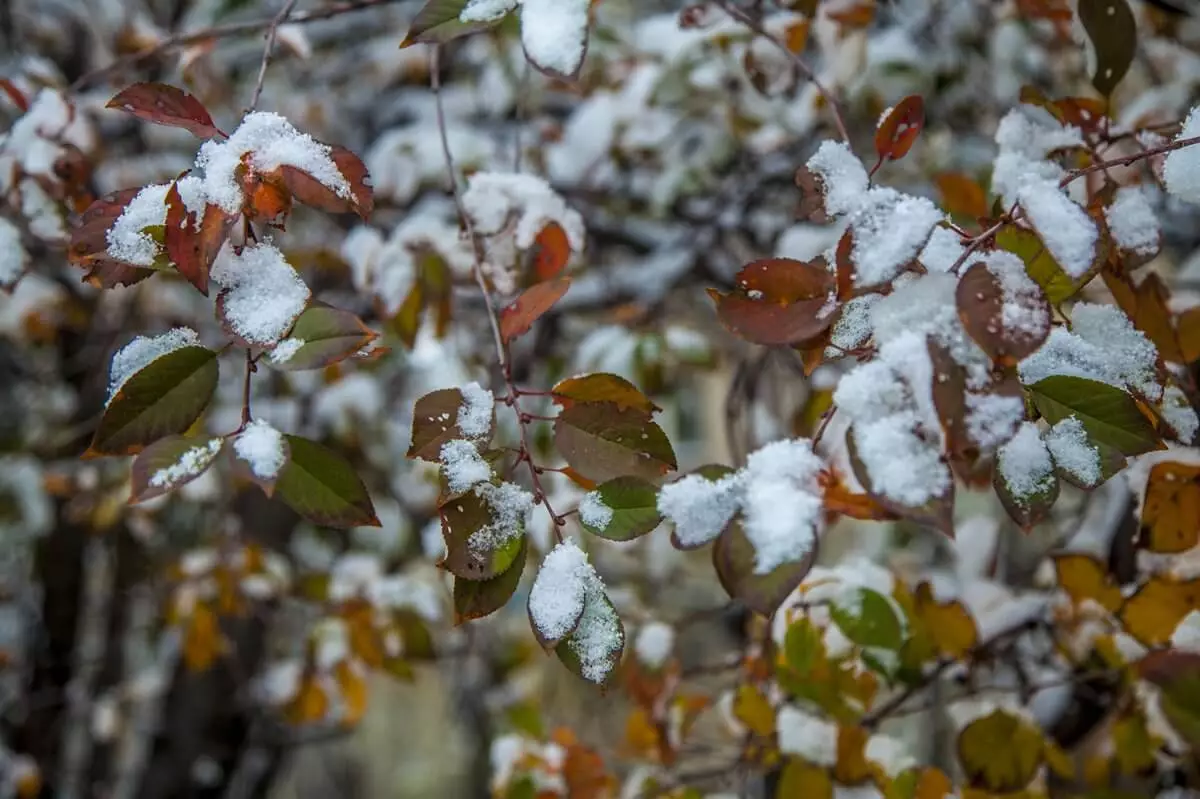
268	48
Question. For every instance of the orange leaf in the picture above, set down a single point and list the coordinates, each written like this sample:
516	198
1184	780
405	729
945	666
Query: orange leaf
182	241
1171	511
1189	335
841	500
202	641
1155	610
309	704
519	316
552	253
962	195
166	105
1083	577
900	129
796	36
354	692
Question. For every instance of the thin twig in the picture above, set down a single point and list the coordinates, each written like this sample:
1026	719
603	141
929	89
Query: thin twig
756	25
272	32
1126	160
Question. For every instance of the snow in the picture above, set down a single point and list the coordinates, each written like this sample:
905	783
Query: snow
782	503
942	251
810	737
510	506
475	413
554	33
493	199
1132	355
889	753
13	258
560	591
285	350
463	466
1024	463
1026	137
593	512
890	229
128	240
992	418
262	295
1179	415
486	10
144	350
654	643
597	638
38	138
1073	453
843	177
698	507
1024	308
261	446
270	142
1187	633
191	463
852	329
1132	222
1067	231
1181	168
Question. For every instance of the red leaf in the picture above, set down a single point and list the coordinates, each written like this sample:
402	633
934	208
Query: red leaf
312	192
182	241
553	252
845	267
900	129
89	239
779	301
16	95
166	105
214	230
982	301
516	319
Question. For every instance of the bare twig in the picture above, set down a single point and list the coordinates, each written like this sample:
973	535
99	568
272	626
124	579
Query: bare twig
1126	160
272	33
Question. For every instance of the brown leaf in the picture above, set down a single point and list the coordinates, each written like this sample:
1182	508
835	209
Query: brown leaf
1171	510
182	241
166	105
779	301
519	316
310	191
896	134
1146	305
1188	326
553	251
89	238
962	195
601	387
981	300
214	230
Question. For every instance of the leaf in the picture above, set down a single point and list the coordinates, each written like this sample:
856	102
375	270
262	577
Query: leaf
1171	510
1084	577
588	652
553	251
353	687
475	599
919	782
182	241
1026	511
897	132
325	335
1000	752
89	243
435	421
310	704
1147	306
437	23
982	301
323	487
1109	415
633	504
934	627
734	559
170	463
1188	326
1155	610
517	317
472	549
868	619
166	105
312	192
202	639
937	512
752	709
601	440
602	387
778	301
800	778
851	767
1040	264
1177	675
1113	32
164	398
962	195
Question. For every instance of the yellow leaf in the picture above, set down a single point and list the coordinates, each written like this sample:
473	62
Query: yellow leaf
1059	761
949	624
752	709
354	692
802	779
1171	508
851	767
1000	752
1152	614
641	735
1133	746
925	782
796	36
1084	577
202	641
309	704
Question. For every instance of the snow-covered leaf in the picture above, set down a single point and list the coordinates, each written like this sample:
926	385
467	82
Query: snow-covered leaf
483	529
169	463
735	560
1002	309
260	453
1109	415
261	296
449	414
554	34
322	335
620	509
314	192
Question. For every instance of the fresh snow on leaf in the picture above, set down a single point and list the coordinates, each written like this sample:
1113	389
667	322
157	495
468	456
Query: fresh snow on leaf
128	240
598	638
1067	231
475	413
554	33
1132	222
700	508
1179	415
463	466
1073	453
782	503
1026	137
805	735
13	258
843	177
510	506
269	141
144	350
560	591
942	251
654	643
261	446
495	200
1181	169
992	418
40	137
261	294
190	464
1024	463
486	10
593	512
1023	307
285	350
890	754
853	326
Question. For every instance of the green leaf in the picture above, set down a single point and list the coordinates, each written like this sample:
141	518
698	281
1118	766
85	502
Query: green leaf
868	619
170	463
321	336
323	487
601	440
165	398
734	559
593	650
632	505
803	646
1040	264
602	387
474	599
1111	27
1109	415
437	23
475	550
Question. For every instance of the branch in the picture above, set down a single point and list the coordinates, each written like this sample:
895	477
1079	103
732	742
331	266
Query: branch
272	32
1126	160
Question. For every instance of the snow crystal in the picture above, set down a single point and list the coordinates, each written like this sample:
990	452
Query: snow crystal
261	446
144	350
463	466
1181	169
271	142
698	507
13	258
654	643
1179	415
1024	309
1132	221
853	326
593	512
261	294
475	412
1024	463
810	737
992	418
942	251
1132	355
190	464
1073	453
843	178
493	198
560	590
782	503
285	350
510	506
554	33
890	229
486	10
1068	232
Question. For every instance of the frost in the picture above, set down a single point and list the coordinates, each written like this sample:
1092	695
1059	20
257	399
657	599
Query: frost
475	412
654	643
463	466
782	503
700	508
262	295
1073	453
1132	222
270	142
1181	169
190	464
1067	231
805	735
593	512
1024	463
13	258
261	446
144	350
